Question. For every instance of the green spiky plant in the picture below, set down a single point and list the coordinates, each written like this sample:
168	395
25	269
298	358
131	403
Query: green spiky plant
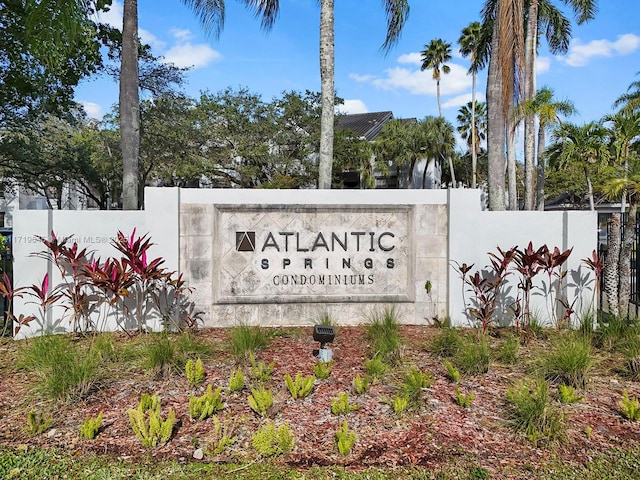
222	437
260	400
194	371
322	370
299	387
206	405
464	399
147	423
37	423
340	405
345	439
360	384
452	372
630	407
272	441
236	381
568	394
260	371
90	427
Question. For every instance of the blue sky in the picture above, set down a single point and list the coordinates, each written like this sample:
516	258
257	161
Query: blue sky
603	59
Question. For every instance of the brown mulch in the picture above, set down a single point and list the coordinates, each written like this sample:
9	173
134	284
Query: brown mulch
436	434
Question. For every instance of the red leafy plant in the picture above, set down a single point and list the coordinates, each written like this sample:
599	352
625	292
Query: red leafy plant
130	285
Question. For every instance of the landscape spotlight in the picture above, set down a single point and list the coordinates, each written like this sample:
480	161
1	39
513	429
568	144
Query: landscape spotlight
323	334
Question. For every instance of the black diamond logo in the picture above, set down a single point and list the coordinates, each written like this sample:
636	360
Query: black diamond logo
245	241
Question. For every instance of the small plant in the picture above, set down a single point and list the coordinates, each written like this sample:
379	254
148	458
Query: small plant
464	400
383	331
236	381
160	354
260	400
569	361
630	407
147	423
221	438
414	382
300	387
375	367
341	405
261	371
246	340
447	343
90	427
508	350
361	384
345	439
400	403
206	405
568	394
322	369
588	431
270	441
473	356
532	413
194	372
37	423
452	372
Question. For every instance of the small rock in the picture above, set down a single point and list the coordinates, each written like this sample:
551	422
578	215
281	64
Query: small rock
198	454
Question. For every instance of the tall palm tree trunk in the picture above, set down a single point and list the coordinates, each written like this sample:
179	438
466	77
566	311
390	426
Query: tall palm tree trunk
541	168
474	140
529	93
610	272
624	268
327	87
129	106
511	166
438	96
495	127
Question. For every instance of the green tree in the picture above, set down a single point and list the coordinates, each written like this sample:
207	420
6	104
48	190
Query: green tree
434	57
440	144
580	145
211	16
397	12
629	101
472	127
471	41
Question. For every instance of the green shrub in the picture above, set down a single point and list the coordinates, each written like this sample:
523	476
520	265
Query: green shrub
383	331
194	371
300	387
452	372
160	354
345	439
189	345
464	400
473	356
322	369
37	423
569	360
446	343
375	367
147	423
360	384
260	400
508	350
260	371
413	383
341	406
90	427
532	413
270	441
221	438
399	403
616	333
246	340
568	394
60	370
207	404
630	407
236	381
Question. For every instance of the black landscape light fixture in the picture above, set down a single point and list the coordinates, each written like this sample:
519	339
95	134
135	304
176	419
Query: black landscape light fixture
323	334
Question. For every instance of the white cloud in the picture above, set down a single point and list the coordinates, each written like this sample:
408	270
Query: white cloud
579	53
361	78
543	64
420	82
353	106
93	110
114	16
188	55
412	58
181	34
460	100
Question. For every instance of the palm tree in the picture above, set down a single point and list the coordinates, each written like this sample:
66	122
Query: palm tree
548	112
397	12
402	144
629	101
211	16
440	144
434	57
472	126
470	42
583	145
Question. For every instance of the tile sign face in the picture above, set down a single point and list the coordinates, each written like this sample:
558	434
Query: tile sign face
279	254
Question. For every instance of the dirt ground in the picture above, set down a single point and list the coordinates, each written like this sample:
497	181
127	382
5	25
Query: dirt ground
438	433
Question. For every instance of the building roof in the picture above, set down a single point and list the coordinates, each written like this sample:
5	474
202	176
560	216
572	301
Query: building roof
365	125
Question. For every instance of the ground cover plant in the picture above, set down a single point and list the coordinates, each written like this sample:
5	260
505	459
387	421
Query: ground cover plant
436	438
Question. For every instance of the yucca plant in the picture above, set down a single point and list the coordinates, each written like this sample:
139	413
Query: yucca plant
345	439
147	423
300	387
207	404
260	400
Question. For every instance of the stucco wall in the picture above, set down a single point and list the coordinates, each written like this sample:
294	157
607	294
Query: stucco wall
384	245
